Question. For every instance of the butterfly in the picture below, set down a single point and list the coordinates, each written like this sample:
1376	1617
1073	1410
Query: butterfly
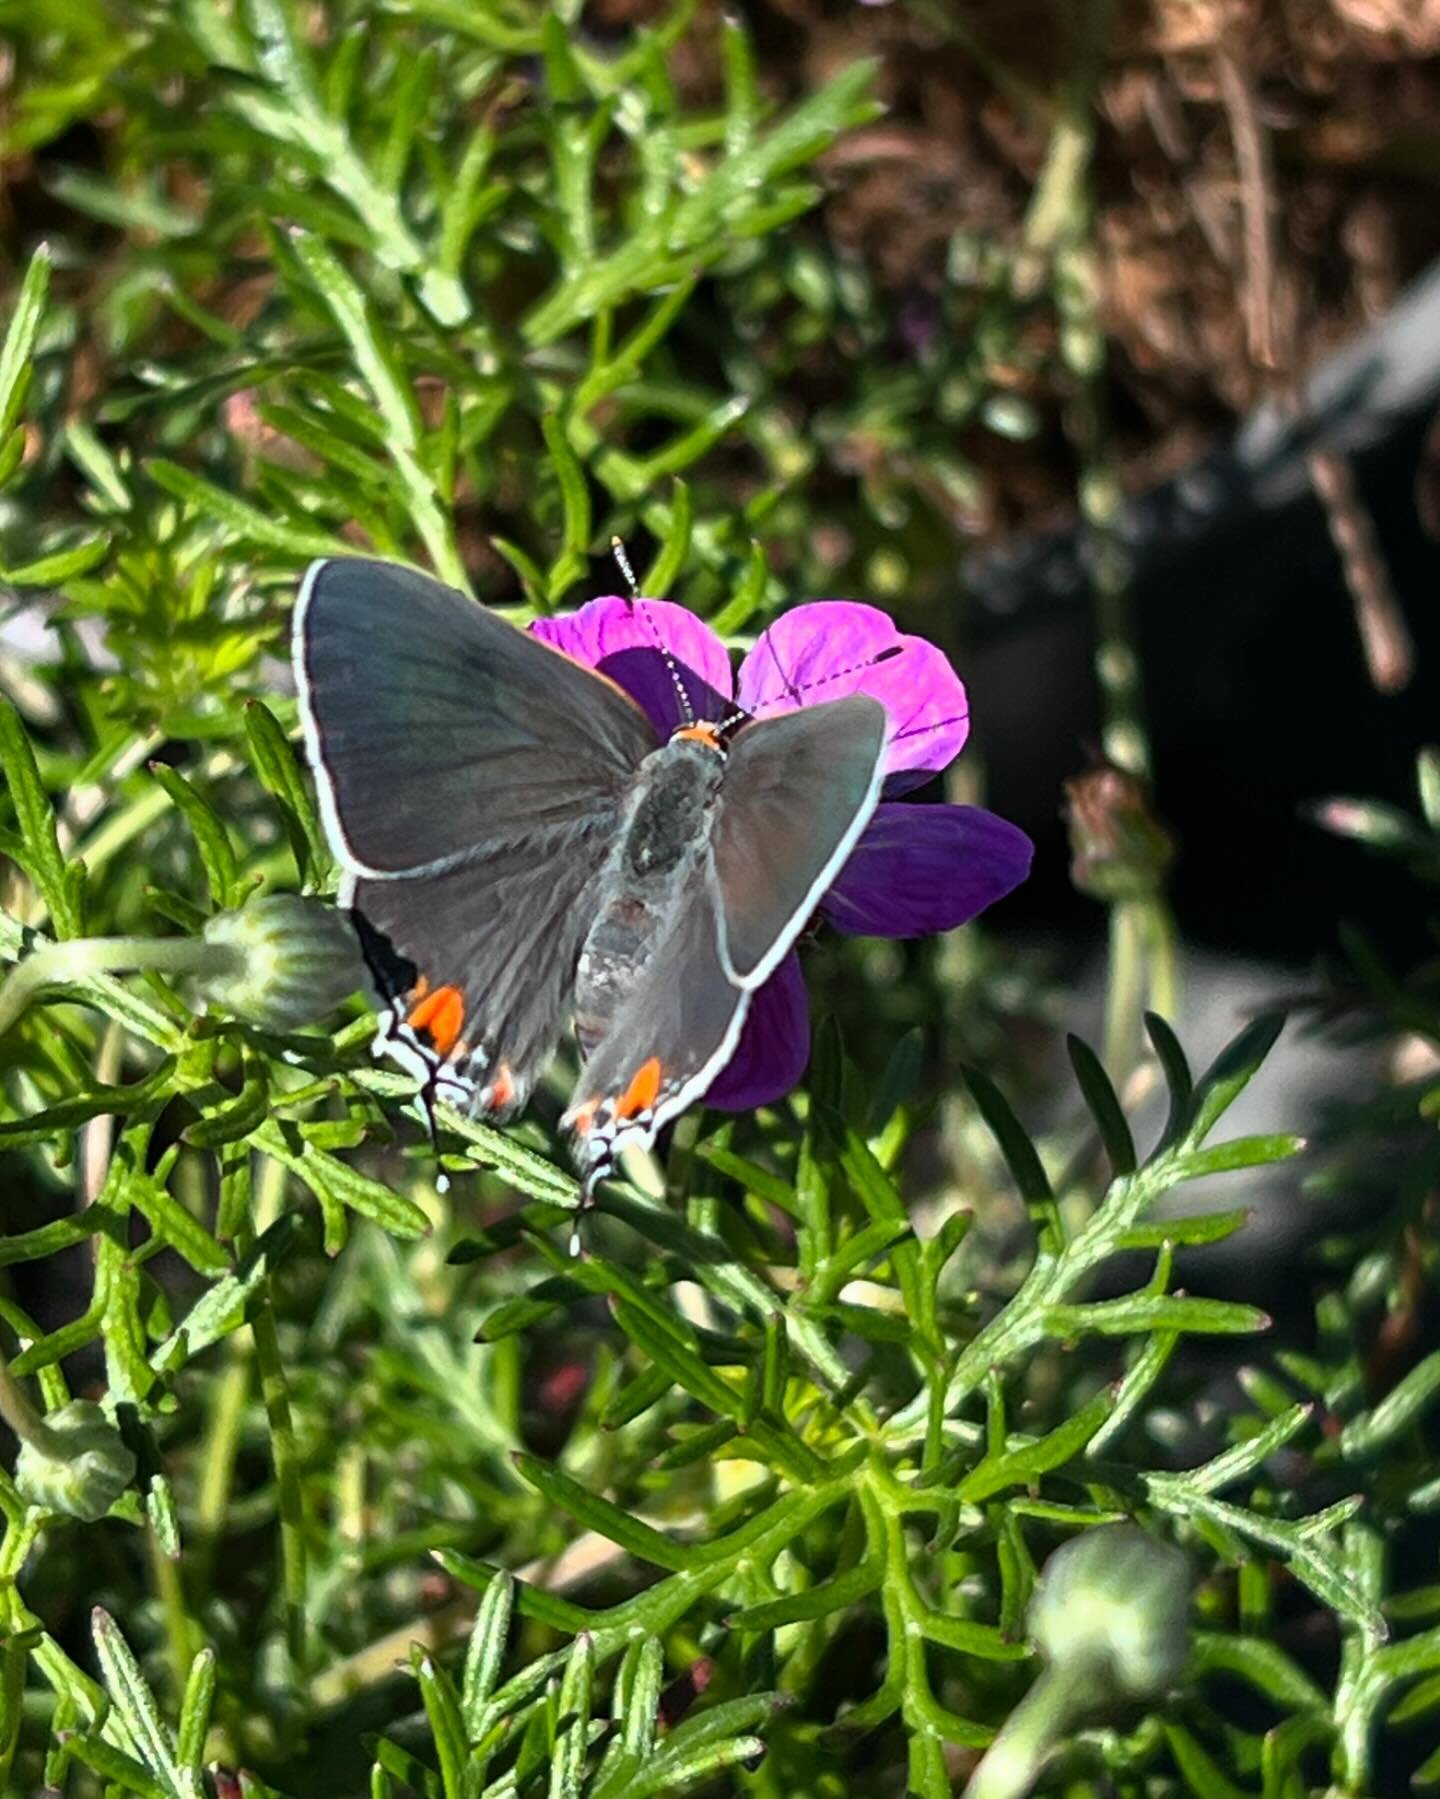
522	850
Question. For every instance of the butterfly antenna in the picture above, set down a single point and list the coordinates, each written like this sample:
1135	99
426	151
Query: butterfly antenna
617	550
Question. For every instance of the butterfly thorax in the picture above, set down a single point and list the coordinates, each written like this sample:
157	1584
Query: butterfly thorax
659	851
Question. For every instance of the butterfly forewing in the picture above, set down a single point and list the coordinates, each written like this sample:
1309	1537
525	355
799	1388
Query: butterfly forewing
798	791
473	781
439	730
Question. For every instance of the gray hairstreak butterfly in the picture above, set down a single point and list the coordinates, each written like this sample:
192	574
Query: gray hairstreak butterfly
523	851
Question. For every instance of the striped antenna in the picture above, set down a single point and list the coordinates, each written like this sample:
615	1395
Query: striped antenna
617	550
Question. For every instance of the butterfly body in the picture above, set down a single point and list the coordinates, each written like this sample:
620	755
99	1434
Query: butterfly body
523	852
659	853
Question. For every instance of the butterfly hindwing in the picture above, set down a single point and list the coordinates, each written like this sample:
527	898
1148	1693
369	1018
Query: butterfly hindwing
798	791
673	1035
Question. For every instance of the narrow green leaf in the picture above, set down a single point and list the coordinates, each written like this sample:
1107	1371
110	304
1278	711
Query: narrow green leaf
223	1307
819	1601
1176	1070
1395	1413
279	773
1201	1774
170	1221
195	1709
567	1767
245	521
660	577
36	819
1155	1311
134	1703
335	1183
1183	1229
122	1771
485	1651
574	493
1104	1104
222	870
59	566
1020	1154
1239	1152
1020	1466
236	1117
17	355
599	1515
1228	1076
447	1729
1262	1663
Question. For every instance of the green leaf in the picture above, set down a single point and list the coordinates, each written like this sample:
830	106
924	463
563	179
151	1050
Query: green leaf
1263	1664
17	354
222	869
278	772
447	1728
195	1710
1176	1070
224	1307
1155	1311
567	1766
59	566
1104	1104
1021	1158
134	1703
243	520
36	819
334	1183
1395	1413
1201	1774
1020	1466
660	577
637	1539
1229	1075
485	1651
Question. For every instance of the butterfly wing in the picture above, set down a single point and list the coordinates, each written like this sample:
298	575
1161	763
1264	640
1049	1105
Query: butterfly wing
438	730
471	781
798	791
669	1040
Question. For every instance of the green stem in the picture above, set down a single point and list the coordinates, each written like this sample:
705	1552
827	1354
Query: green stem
79	958
23	1419
275	1392
1013	1761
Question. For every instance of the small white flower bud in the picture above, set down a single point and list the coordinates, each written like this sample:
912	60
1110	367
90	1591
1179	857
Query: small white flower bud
74	1461
286	961
1115	1598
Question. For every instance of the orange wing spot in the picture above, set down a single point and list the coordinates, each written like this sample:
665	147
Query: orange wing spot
584	1120
502	1088
706	734
441	1014
642	1092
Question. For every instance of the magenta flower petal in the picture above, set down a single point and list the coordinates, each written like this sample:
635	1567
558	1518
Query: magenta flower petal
926	868
774	1044
829	648
623	638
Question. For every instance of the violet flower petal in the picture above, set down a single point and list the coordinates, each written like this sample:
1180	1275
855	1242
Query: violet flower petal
829	648
774	1044
918	869
622	639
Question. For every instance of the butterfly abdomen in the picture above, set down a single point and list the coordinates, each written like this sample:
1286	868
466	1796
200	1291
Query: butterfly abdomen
662	839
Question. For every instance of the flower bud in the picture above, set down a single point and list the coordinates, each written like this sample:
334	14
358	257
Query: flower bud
1108	1615
1114	1599
1118	849
74	1461
286	961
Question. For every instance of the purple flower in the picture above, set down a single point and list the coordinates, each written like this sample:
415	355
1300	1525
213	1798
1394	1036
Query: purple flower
916	869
